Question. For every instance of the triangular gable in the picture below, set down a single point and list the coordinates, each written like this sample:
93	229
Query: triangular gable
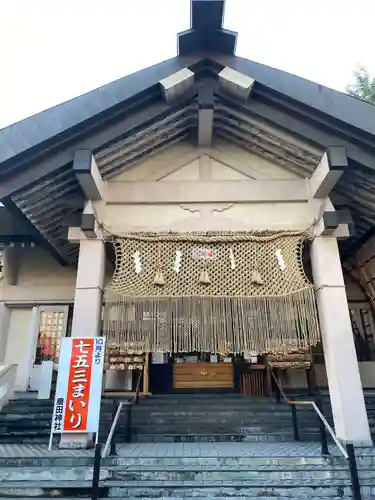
186	162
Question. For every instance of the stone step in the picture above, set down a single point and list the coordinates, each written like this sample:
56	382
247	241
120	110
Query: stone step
185	428
176	474
167	462
160	489
232	497
152	437
163	424
8	419
246	402
171	420
24	440
220	437
204	412
55	475
30	432
187	438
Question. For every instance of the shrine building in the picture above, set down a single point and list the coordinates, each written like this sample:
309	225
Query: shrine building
212	217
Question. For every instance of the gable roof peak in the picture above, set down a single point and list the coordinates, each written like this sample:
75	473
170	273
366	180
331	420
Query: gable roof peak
206	31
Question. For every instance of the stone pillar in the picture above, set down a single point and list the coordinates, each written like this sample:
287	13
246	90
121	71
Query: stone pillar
4	328
88	298
345	387
87	312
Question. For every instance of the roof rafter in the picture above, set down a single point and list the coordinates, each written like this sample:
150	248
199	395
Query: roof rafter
128	124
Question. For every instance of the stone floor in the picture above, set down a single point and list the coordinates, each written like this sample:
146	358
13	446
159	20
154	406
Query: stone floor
185	450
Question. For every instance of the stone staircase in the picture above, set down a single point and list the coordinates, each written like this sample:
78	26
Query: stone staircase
182	418
174	418
189	470
218	417
28	421
184	446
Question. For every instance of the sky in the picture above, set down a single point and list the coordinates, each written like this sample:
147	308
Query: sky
54	50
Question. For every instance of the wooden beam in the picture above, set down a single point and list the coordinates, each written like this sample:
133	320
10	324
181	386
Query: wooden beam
206	29
88	175
243	191
88	223
205	115
234	83
207	14
328	172
338	223
177	85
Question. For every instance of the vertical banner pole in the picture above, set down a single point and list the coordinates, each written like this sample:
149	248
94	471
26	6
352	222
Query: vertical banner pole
50	436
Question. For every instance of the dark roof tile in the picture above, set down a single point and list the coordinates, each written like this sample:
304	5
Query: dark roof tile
348	109
32	131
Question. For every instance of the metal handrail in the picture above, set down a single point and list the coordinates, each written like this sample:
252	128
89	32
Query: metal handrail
323	419
112	430
278	386
318	412
117	416
348	454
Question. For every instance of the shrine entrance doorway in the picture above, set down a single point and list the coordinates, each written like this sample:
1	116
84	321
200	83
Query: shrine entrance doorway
202	371
211	301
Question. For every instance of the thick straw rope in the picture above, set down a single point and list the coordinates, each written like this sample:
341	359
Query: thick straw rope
255	295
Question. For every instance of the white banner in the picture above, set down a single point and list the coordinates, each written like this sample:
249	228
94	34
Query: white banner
79	385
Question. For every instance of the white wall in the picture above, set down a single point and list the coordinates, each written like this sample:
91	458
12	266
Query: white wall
18	344
40	279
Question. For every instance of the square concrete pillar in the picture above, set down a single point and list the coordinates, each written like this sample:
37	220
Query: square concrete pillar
88	299
87	313
4	328
345	387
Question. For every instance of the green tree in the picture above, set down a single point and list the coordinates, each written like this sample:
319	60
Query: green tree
363	86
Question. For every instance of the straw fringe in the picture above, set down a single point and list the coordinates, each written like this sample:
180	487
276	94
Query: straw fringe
213	324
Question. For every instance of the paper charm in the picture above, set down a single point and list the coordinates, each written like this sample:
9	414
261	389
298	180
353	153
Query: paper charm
280	259
232	260
177	261
137	262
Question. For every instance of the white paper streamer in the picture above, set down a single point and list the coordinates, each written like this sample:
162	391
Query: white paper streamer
232	259
280	259
177	261
137	262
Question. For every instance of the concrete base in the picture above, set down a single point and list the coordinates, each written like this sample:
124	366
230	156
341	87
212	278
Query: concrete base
79	441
